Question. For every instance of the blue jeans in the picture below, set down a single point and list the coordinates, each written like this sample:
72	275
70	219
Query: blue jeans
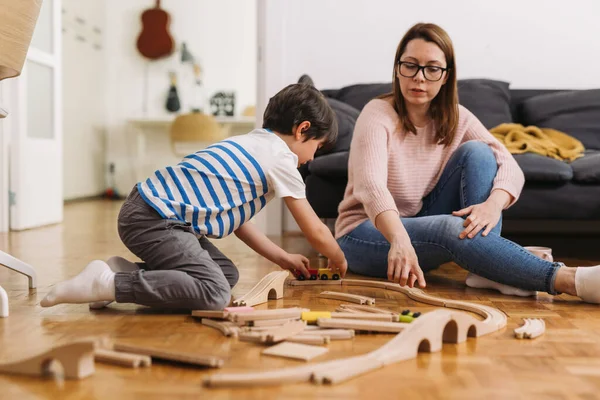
466	180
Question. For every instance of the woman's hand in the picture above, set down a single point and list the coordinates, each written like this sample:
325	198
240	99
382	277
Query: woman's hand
403	265
483	215
296	262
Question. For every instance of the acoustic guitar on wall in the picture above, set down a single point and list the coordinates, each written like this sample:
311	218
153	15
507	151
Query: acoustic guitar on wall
155	41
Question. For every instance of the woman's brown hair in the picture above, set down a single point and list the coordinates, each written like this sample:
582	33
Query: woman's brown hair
444	107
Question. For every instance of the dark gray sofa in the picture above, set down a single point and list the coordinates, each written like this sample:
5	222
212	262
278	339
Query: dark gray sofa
560	203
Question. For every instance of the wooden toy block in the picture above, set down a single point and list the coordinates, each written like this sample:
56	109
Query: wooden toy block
531	328
310	317
280	313
309	339
353	298
295	350
270	322
246	329
168	355
347	310
210	314
288	330
361	325
333	334
239	309
371	309
122	359
77	360
274	335
295	282
3	303
269	287
364	316
254	337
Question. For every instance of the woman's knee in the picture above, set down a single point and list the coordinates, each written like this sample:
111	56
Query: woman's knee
450	226
479	154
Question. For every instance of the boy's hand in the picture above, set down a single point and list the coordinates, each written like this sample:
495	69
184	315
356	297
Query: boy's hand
296	262
341	267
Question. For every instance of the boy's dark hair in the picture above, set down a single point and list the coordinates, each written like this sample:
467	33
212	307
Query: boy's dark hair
297	103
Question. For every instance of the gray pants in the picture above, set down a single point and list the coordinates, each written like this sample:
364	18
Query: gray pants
179	270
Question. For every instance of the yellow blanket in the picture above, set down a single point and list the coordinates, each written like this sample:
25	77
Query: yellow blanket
544	141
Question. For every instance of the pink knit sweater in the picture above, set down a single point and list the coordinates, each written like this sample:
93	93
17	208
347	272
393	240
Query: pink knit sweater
390	169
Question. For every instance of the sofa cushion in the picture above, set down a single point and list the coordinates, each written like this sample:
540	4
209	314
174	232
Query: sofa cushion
325	194
538	168
487	99
555	201
359	95
330	165
587	168
575	112
346	118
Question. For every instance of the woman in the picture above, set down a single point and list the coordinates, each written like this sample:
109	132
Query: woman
427	184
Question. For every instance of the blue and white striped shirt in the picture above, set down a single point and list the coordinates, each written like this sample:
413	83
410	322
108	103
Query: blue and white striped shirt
220	188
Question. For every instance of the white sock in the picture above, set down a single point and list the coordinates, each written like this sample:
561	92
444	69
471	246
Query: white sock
587	283
117	264
476	281
96	282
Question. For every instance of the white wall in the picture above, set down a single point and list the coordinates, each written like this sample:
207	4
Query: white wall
221	34
532	44
84	97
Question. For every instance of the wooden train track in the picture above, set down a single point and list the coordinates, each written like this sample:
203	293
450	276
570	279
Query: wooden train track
425	334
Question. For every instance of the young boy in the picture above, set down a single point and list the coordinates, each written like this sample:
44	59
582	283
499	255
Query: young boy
167	218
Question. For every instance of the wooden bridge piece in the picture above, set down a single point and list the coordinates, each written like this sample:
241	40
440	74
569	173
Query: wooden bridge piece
269	287
77	360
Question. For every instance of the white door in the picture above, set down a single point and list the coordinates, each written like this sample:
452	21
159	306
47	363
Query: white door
36	128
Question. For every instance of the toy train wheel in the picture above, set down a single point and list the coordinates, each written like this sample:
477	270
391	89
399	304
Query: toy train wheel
335	277
313	277
324	277
300	277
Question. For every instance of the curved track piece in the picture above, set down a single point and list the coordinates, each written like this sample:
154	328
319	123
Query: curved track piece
77	360
532	328
269	287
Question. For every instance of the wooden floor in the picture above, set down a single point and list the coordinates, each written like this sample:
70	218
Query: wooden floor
563	364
